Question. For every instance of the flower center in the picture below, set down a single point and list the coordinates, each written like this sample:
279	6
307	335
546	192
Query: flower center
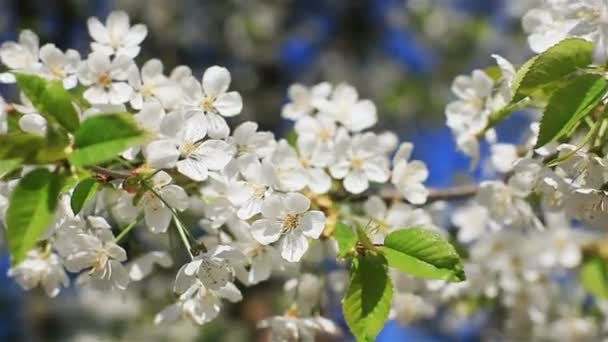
104	80
207	104
357	163
187	149
291	222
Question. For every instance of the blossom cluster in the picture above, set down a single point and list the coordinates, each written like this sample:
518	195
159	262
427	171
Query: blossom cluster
248	207
258	201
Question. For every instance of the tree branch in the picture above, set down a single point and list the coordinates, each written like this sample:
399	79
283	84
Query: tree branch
111	174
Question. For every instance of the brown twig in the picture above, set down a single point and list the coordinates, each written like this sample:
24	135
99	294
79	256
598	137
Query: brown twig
111	174
458	192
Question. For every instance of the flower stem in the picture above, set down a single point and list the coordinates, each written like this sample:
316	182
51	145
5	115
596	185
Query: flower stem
126	230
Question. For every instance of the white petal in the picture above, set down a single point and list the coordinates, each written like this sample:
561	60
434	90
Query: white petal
293	246
266	231
215	154
193	169
313	223
216	81
356	182
217	127
296	203
98	31
229	104
161	154
157	217
175	196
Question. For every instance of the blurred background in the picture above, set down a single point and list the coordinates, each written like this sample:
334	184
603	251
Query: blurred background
402	54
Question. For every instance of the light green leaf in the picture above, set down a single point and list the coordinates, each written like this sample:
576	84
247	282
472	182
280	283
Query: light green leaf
569	104
83	193
30	148
423	253
369	297
346	238
551	66
102	138
30	211
50	99
9	165
594	277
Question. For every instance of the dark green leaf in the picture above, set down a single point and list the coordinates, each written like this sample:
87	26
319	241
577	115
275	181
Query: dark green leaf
423	253
552	66
83	192
346	238
369	297
570	104
594	277
30	211
50	99
102	138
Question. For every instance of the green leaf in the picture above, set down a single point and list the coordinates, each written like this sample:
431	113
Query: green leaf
9	165
368	299
103	137
83	193
594	277
50	99
31	148
30	211
423	253
551	66
569	104
346	238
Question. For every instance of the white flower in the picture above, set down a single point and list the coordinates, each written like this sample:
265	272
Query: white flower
152	84
345	107
30	121
247	140
142	266
197	302
185	148
117	37
359	161
150	118
215	268
290	327
106	79
21	56
100	255
288	220
157	215
38	269
314	162
303	100
248	195
3	116
408	176
503	157
472	221
213	99
545	28
288	172
59	65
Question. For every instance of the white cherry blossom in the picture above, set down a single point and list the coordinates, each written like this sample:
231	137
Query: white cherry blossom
106	79
408	176
41	269
212	98
117	36
304	100
345	107
186	148
287	219
20	56
359	161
